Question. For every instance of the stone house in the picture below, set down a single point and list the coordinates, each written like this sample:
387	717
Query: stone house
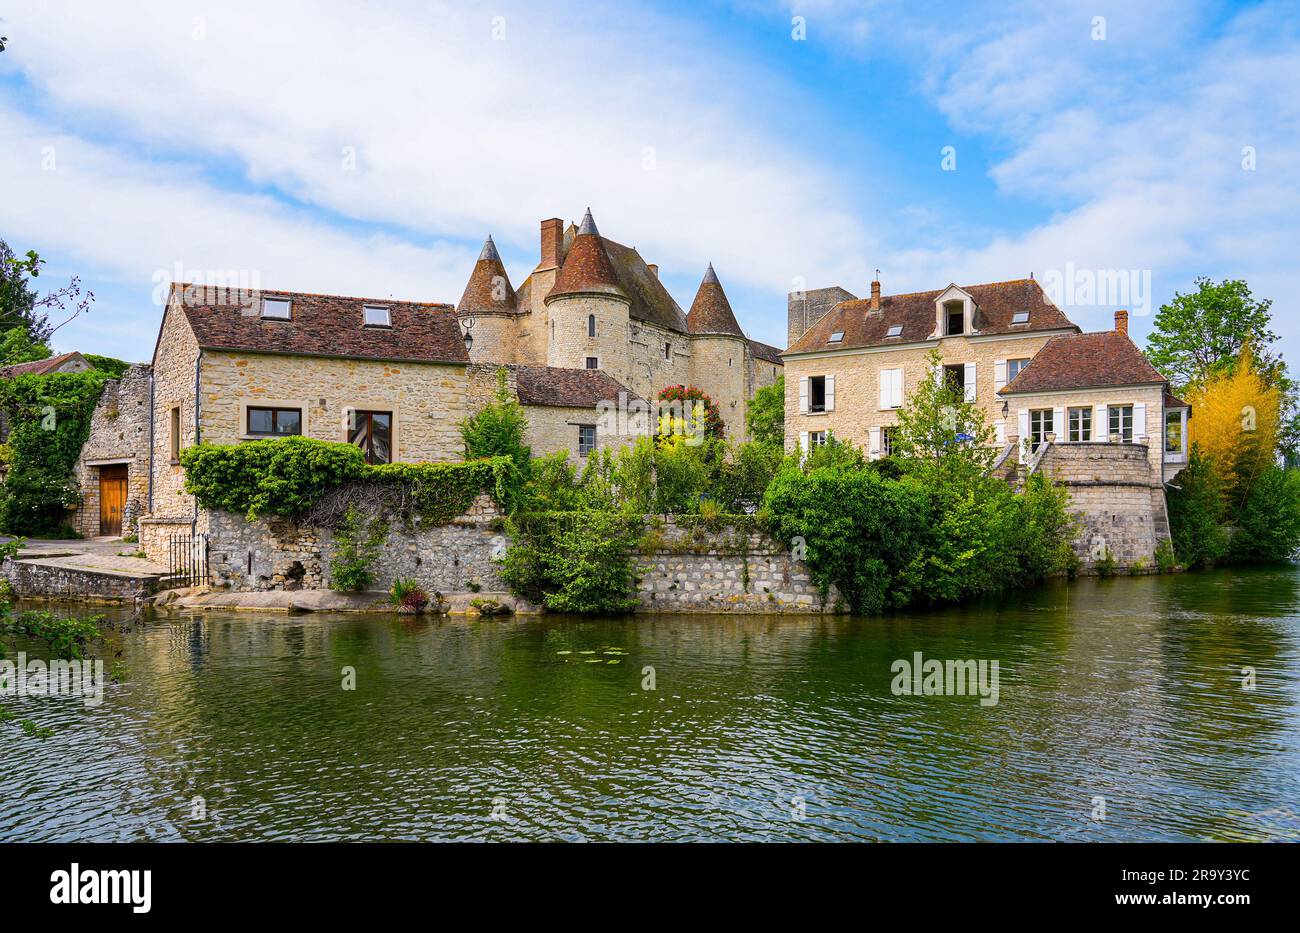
593	303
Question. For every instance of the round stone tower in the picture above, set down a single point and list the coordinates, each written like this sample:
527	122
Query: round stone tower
720	362
488	311
588	309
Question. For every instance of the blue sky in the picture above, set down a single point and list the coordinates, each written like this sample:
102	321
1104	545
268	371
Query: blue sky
367	149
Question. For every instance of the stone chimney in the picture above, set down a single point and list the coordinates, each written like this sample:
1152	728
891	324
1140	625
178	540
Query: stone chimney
654	268
552	243
1121	322
875	293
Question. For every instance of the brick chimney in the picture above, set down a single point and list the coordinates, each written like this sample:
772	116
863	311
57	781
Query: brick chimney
552	243
875	293
1121	322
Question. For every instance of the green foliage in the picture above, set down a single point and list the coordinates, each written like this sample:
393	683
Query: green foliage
1194	499
281	476
1166	559
1042	536
696	413
1268	528
16	346
498	431
1200	334
1106	565
408	594
573	561
18	304
7	593
743	477
114	367
765	417
357	545
834	452
940	437
438	492
66	637
49	418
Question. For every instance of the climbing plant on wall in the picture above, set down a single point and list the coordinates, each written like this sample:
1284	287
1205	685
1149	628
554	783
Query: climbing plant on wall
49	421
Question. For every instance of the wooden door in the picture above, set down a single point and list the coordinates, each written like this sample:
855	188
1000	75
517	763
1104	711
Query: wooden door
112	498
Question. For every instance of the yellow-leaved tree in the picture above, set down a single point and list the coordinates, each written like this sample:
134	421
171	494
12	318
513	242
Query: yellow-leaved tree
1235	418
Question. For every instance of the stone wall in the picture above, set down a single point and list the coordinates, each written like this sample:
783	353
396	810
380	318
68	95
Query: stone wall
1118	498
53	581
119	434
173	374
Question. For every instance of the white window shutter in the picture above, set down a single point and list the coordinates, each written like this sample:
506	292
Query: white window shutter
803	397
1100	424
830	393
999	374
1058	424
875	442
803	442
968	382
898	388
886	388
1024	423
1000	432
1139	423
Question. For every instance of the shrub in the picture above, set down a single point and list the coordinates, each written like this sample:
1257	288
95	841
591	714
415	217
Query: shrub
408	594
1193	501
1268	528
573	561
357	547
743	477
497	430
281	476
67	637
1107	565
765	416
1165	559
1044	533
686	412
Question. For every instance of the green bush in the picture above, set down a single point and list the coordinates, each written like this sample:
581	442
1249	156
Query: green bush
1193	501
408	594
1165	558
280	476
1268	528
497	430
357	545
573	561
765	416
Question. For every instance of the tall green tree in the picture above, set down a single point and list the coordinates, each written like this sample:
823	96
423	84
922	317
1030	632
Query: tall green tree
1202	334
18	301
765	417
941	437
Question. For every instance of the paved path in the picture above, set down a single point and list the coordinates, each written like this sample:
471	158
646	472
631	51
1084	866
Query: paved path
95	554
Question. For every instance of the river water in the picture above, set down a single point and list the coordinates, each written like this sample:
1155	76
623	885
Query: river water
1122	714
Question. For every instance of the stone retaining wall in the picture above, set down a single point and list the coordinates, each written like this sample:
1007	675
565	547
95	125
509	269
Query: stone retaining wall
47	580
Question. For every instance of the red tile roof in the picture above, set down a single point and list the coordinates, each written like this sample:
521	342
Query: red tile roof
489	285
995	302
1084	361
764	351
321	325
587	267
566	388
43	367
711	311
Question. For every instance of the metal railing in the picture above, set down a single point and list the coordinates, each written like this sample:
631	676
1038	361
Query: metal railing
187	560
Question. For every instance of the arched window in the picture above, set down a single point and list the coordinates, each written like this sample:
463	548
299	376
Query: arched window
591	325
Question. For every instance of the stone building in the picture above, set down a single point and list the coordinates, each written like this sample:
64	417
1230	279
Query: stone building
592	303
113	468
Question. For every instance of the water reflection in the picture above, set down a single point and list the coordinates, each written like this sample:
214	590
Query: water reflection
759	728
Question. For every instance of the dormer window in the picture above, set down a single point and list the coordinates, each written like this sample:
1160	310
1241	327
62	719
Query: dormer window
377	317
275	309
895	330
836	337
955	314
1020	317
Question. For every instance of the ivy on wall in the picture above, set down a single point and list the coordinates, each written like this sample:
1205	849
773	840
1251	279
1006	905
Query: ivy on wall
49	420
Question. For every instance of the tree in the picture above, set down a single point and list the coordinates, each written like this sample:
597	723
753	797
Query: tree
941	437
16	347
498	429
18	302
1202	334
1195	499
765	418
688	415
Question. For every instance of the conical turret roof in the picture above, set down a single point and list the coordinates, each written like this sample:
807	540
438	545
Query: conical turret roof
489	287
711	311
587	267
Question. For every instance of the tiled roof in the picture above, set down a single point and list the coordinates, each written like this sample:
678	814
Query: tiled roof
587	267
566	388
711	311
1173	401
650	300
489	285
766	352
42	367
321	325
1084	361
996	303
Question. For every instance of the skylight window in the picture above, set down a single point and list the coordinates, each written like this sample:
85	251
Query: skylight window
1020	317
277	309
895	330
837	336
378	317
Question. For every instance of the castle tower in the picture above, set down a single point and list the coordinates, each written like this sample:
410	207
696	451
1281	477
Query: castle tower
720	363
488	310
588	309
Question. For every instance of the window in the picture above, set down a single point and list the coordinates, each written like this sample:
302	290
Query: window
274	421
816	393
275	309
728	362
1079	422
377	317
1121	422
836	337
886	441
816	439
1040	425
895	330
1020	317
956	317
1174	431
586	439
891	388
668	351
591	325
955	378
174	439
1014	367
372	431
593	362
